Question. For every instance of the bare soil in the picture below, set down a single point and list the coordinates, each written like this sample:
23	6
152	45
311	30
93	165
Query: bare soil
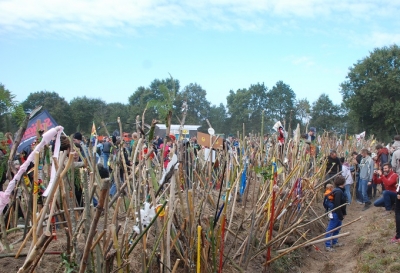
366	249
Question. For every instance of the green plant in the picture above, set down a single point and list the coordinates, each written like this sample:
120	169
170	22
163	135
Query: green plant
70	267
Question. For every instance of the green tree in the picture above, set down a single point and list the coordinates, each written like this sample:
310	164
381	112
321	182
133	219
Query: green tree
281	104
371	92
12	113
85	111
325	115
7	104
57	106
115	110
238	111
154	98
303	111
198	106
246	106
218	119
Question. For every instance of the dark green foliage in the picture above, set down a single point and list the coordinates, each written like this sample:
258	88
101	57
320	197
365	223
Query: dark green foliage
85	111
198	106
371	92
281	104
246	106
154	98
325	115
8	108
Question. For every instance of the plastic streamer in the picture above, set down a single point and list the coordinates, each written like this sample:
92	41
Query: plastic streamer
46	138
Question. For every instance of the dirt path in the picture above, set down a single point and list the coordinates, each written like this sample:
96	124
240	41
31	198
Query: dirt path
369	235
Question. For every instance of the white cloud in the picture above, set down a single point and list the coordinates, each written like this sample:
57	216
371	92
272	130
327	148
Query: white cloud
379	39
105	17
300	60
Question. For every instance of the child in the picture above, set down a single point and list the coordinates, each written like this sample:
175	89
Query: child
328	199
338	213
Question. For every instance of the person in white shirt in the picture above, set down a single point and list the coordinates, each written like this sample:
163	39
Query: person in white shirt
346	172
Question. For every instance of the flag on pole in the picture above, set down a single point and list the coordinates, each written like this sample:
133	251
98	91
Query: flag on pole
94	133
360	136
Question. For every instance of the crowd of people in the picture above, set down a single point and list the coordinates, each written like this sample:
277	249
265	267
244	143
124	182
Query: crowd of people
376	177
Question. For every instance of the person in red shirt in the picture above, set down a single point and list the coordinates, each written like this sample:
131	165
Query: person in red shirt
167	148
389	179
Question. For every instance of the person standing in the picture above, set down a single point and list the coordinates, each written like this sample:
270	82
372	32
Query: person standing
310	136
366	173
338	213
107	147
346	172
396	238
396	155
333	166
382	155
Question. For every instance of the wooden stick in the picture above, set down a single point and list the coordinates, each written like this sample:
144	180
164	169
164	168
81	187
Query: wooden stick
34	209
97	240
34	253
99	210
198	248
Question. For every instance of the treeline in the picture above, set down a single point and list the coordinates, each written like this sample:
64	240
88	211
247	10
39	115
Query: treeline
370	103
243	106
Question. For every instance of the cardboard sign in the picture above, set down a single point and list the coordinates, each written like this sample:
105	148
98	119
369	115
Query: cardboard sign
204	140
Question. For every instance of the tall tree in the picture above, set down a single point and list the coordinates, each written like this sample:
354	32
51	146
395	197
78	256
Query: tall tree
153	97
198	106
282	103
57	106
218	119
371	92
325	115
246	106
238	109
303	111
115	110
85	111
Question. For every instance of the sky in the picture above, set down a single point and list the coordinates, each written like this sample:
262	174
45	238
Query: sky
107	49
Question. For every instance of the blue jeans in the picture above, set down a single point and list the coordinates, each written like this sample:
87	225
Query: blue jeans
362	188
333	223
387	200
347	192
358	196
113	189
106	156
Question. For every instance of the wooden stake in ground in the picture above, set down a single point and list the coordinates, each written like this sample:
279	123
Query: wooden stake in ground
92	231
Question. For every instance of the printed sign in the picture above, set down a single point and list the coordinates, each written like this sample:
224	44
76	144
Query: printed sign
30	133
